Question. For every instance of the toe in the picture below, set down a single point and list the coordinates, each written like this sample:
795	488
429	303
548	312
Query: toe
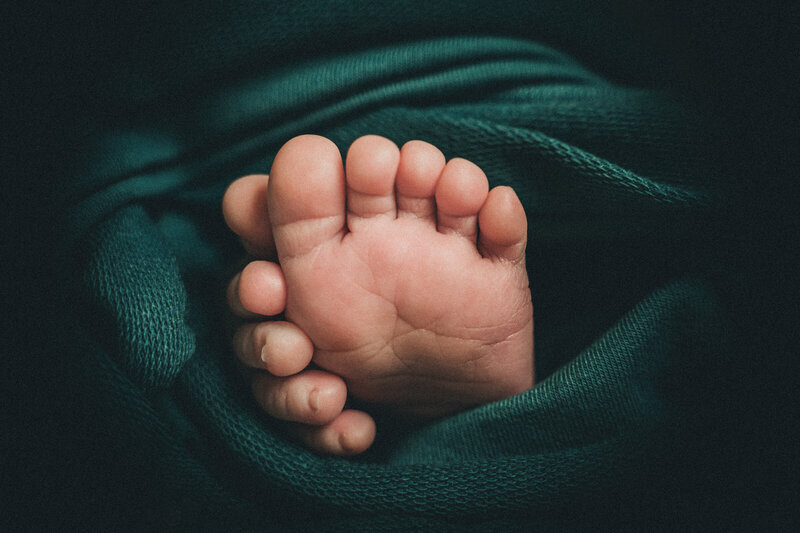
310	397
351	433
244	207
260	289
306	199
503	226
421	164
371	169
460	192
280	348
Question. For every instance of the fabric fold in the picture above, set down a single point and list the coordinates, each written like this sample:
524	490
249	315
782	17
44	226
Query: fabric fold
146	207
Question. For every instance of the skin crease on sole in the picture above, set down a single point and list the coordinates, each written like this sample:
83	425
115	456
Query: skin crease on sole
420	245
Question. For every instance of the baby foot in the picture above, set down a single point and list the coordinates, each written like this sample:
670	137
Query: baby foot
407	274
311	401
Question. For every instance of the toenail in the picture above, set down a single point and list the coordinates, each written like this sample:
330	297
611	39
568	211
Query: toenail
351	444
264	355
313	399
344	443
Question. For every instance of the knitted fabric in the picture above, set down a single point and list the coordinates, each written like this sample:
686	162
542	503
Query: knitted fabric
624	184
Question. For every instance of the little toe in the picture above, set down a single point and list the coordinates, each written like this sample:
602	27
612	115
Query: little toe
306	197
503	226
259	289
281	348
350	433
244	207
460	192
310	397
420	166
371	168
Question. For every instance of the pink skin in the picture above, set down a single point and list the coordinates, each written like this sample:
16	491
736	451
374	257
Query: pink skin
403	279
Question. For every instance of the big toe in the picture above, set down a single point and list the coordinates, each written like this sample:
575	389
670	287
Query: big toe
306	195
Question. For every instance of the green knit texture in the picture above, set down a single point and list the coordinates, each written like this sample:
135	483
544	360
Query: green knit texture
626	186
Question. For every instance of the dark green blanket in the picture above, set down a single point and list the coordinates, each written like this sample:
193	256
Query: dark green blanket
635	184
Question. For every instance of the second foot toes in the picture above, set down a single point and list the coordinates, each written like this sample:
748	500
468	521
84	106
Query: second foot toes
280	348
258	290
311	397
351	433
244	207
